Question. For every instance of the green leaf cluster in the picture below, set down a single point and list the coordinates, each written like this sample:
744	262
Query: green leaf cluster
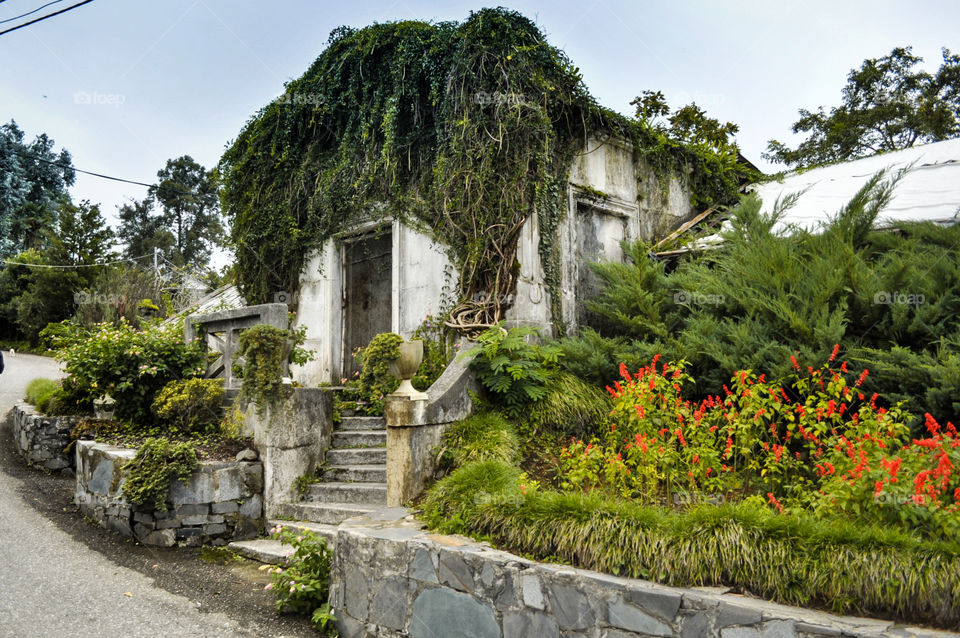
511	368
302	585
264	350
157	464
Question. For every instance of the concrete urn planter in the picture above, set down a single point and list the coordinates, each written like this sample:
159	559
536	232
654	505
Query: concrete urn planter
406	366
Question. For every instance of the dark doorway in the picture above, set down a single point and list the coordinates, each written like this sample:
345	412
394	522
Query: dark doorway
367	293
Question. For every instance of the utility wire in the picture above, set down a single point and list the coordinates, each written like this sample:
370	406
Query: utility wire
97	265
101	175
24	15
49	15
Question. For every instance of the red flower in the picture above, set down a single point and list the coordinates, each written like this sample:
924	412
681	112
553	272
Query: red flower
793	360
775	502
833	355
863	375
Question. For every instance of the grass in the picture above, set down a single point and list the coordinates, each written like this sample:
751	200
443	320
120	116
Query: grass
480	437
796	559
39	390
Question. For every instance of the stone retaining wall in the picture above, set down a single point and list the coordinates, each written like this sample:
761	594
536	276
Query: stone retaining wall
40	439
220	502
390	578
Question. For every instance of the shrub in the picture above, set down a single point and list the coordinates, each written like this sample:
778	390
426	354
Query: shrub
158	463
130	365
514	371
193	406
39	389
375	381
481	436
437	351
303	584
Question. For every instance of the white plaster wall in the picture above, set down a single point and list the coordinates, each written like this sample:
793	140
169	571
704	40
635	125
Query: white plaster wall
320	310
531	304
424	278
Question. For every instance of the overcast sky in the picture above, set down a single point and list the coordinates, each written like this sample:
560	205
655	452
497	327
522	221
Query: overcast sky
125	85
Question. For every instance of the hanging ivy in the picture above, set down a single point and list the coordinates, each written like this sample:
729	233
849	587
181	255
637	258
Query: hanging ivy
463	130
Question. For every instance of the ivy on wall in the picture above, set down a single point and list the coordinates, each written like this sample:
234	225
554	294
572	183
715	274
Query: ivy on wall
463	130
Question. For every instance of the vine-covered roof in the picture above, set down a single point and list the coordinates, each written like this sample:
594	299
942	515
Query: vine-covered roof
461	129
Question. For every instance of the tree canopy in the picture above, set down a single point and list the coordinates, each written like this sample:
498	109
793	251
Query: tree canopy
33	181
888	104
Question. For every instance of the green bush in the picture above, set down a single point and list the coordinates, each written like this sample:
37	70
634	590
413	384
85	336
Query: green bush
375	381
514	371
192	406
303	584
130	365
157	464
481	436
799	560
39	390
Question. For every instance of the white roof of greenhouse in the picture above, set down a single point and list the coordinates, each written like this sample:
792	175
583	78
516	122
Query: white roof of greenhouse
930	191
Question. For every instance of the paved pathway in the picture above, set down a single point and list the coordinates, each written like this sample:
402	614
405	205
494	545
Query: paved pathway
53	585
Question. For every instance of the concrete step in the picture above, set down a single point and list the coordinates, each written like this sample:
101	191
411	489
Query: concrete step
357	493
361	423
356	473
359	438
327	531
357	456
265	550
326	513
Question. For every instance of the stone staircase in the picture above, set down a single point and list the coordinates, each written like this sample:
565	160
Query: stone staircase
354	480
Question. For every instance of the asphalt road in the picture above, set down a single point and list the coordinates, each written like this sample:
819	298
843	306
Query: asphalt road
60	576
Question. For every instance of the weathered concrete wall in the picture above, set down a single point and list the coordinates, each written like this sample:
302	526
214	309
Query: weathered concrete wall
415	427
40	439
292	439
393	579
420	274
219	503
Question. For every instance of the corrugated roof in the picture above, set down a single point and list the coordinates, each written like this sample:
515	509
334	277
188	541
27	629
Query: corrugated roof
930	191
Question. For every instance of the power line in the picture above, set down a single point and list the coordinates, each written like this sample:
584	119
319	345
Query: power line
101	175
49	15
24	15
